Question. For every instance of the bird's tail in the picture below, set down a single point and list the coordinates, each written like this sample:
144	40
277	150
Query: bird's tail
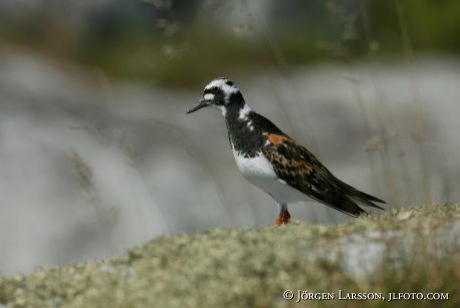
359	195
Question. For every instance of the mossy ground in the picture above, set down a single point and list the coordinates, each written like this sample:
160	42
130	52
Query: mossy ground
251	268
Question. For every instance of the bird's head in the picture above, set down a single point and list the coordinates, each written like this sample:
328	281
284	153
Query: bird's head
221	93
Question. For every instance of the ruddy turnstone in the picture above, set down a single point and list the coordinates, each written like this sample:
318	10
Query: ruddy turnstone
274	162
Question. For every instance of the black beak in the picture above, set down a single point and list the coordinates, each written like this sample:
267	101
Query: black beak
201	104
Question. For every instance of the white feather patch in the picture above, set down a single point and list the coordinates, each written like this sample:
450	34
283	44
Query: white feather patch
257	166
209	96
259	171
221	83
222	109
250	126
244	112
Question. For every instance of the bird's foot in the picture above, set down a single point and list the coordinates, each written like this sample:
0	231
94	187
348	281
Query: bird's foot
283	218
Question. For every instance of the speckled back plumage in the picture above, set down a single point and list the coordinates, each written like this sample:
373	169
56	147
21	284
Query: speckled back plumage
273	161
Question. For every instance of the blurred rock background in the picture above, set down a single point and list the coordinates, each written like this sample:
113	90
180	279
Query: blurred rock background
96	151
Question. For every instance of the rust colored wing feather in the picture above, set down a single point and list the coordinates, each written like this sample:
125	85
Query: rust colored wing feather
300	169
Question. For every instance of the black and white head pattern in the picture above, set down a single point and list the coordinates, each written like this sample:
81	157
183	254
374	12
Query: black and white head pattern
223	93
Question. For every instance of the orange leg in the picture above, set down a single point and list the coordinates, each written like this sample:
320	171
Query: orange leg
284	216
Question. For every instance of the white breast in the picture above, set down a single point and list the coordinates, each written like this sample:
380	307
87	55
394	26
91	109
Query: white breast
259	171
257	166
